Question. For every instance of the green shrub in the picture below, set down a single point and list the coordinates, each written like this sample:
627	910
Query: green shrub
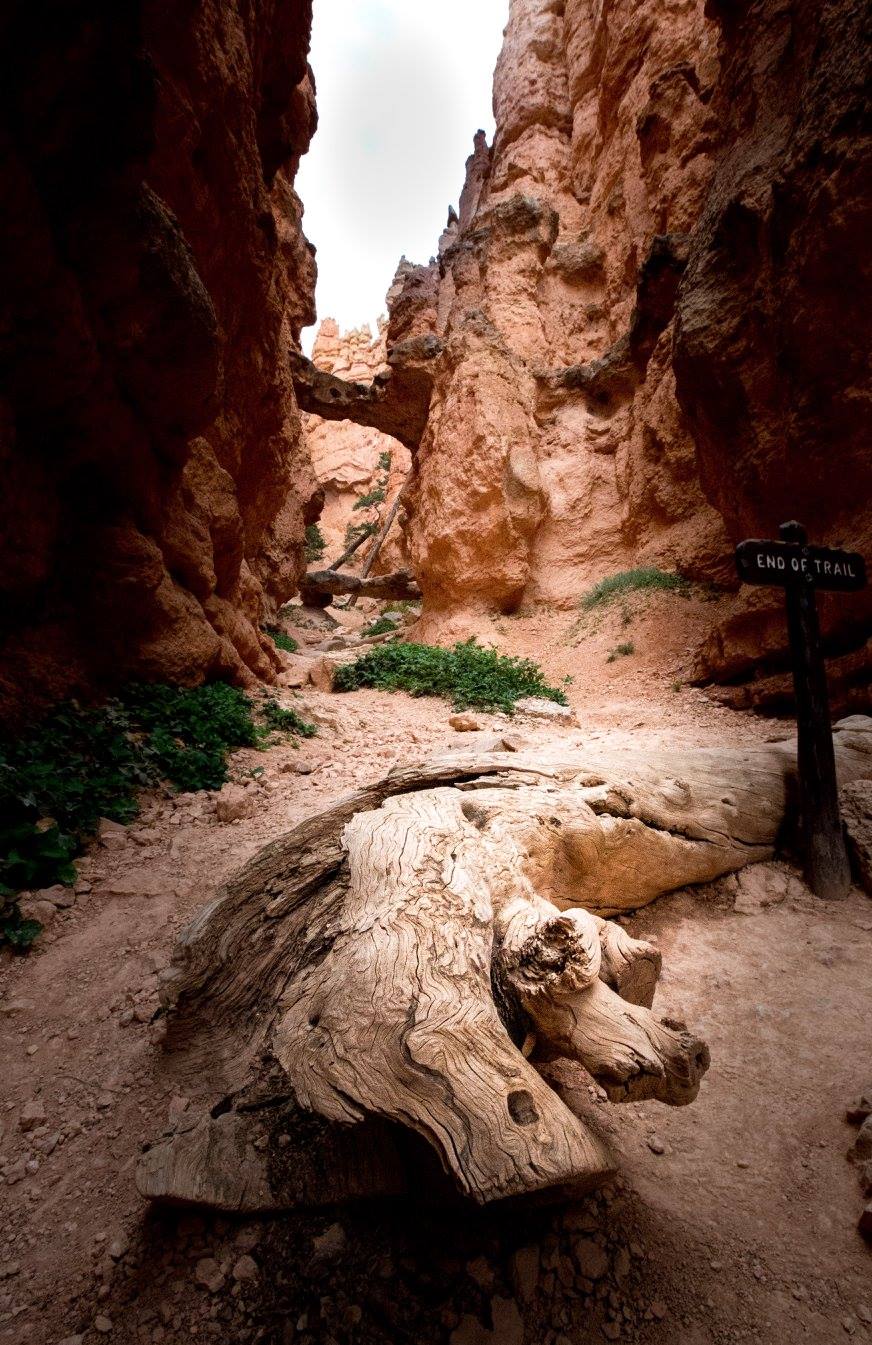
285	721
381	626
316	543
78	765
467	675
630	581
282	640
621	651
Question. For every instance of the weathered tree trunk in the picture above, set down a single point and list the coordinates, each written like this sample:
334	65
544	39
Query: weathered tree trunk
429	948
399	585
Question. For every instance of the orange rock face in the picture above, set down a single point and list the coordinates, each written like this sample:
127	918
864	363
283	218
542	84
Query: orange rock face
556	452
628	298
154	277
346	457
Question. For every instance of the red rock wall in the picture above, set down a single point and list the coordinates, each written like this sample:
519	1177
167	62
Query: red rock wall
774	323
153	275
556	453
653	321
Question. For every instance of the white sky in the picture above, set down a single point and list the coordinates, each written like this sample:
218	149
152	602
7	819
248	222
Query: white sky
403	85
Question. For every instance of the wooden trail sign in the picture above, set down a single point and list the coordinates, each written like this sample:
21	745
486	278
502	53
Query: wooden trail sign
800	569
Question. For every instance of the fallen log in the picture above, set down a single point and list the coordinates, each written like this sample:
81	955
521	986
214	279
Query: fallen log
400	585
433	951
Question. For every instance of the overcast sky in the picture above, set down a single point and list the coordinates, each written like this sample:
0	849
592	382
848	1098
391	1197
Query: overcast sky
403	85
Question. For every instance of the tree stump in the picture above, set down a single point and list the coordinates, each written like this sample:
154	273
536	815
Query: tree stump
432	949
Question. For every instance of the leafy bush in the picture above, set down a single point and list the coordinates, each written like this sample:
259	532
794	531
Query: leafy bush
78	765
316	543
630	581
467	675
621	651
282	640
381	626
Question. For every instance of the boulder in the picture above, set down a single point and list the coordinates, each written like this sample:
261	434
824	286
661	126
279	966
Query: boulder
234	803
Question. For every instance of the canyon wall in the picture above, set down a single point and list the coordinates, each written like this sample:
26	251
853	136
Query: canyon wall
154	280
631	302
347	457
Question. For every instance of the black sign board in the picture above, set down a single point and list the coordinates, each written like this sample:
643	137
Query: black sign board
783	563
800	570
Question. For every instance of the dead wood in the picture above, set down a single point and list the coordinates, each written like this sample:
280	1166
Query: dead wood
433	950
400	585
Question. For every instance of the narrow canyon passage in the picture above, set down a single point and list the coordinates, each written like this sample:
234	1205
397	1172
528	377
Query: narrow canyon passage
403	929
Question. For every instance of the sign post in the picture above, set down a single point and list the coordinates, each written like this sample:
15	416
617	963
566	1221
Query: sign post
802	569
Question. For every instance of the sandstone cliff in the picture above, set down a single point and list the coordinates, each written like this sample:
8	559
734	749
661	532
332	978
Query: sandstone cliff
155	278
346	457
674	193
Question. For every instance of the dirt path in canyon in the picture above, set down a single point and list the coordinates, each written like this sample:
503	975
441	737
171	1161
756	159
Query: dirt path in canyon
733	1219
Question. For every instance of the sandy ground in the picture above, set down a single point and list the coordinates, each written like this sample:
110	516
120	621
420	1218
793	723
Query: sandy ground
742	1229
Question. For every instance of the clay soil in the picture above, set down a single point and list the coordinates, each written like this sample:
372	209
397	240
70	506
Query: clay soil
732	1220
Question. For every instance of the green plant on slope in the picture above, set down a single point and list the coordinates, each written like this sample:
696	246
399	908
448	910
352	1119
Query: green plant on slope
285	721
374	496
78	765
282	640
621	651
316	543
646	579
381	626
467	675
354	531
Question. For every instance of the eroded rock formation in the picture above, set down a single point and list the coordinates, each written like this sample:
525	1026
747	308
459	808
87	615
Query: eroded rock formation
155	279
773	328
556	451
670	198
346	456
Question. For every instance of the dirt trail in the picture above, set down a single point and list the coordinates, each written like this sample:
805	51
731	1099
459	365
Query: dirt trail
733	1220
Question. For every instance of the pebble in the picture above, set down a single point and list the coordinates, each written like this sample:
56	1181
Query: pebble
525	1272
464	723
590	1258
656	1145
245	1269
329	1244
32	1114
118	1247
103	1325
659	1309
234	803
208	1273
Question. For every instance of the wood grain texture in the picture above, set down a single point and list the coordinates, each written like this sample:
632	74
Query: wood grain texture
366	948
